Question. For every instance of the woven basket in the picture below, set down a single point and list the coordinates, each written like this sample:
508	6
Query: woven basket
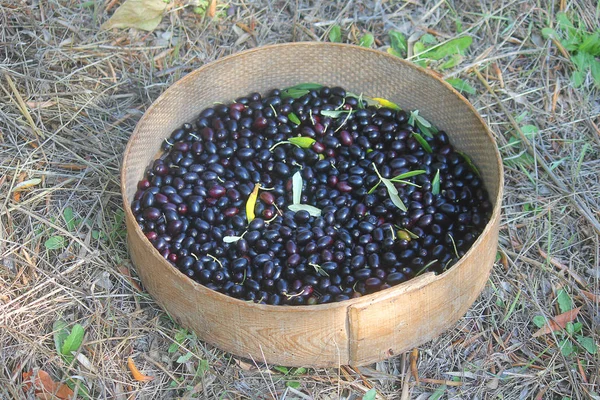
357	331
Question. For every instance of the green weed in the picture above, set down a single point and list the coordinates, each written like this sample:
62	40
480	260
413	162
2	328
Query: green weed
583	47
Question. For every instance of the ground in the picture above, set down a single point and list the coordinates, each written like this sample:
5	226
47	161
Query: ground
72	94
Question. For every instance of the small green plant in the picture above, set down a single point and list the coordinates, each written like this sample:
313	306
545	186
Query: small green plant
583	47
366	40
335	34
67	343
202	8
183	341
429	52
370	395
572	329
74	224
290	373
522	159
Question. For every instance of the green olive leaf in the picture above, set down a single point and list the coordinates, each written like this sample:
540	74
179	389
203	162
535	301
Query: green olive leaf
299	90
294	118
301	141
318	269
335	113
231	239
314	211
435	185
297	188
408	174
393	193
469	162
423	142
391	189
374	187
294	93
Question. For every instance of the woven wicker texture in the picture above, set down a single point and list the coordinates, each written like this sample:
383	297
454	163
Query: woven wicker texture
358	331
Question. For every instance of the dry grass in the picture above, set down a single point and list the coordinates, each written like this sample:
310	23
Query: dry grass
77	95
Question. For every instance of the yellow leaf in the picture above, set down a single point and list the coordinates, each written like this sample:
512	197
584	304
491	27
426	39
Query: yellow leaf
387	103
251	203
212	9
140	14
27	184
137	375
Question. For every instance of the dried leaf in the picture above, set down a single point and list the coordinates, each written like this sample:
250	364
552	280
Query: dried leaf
140	14
557	323
125	272
137	375
296	188
83	360
212	9
40	104
27	184
251	203
314	211
231	239
44	385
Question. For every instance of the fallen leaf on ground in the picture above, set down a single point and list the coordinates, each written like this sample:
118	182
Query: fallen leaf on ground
44	386
557	323
593	297
140	14
40	104
212	9
137	375
27	184
125	271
